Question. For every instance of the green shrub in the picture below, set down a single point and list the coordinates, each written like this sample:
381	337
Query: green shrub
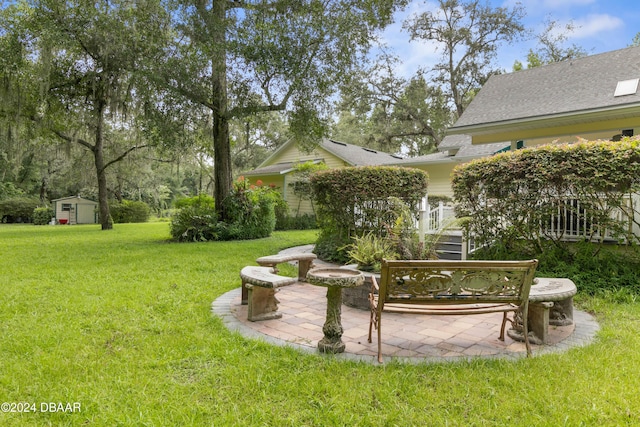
18	209
250	215
129	211
513	196
300	222
202	200
194	224
42	216
250	211
355	201
595	269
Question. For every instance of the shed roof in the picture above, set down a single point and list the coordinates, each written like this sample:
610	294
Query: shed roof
78	199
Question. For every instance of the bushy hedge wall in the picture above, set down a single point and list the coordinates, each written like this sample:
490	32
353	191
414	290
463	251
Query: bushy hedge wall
512	197
18	209
354	201
129	211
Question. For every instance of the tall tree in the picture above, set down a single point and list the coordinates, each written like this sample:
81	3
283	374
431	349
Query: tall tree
552	46
237	58
468	35
86	58
254	137
391	113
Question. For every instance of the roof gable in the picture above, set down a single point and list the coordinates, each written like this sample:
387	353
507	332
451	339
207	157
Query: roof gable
352	155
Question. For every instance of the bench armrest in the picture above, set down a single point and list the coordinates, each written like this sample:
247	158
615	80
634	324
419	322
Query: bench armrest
374	285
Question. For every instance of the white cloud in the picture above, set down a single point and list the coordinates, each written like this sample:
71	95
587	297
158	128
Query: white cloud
592	25
559	4
536	6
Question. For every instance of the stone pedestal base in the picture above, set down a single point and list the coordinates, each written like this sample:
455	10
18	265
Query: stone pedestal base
334	279
332	341
264	304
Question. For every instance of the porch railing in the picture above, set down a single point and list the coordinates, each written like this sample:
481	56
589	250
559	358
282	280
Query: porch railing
570	221
432	217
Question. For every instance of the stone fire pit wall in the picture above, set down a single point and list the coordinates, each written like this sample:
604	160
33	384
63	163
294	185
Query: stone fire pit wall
358	297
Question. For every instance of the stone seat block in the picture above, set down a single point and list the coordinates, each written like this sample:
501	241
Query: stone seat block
261	285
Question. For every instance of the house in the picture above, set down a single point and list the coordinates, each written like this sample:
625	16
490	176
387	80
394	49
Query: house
453	150
594	97
75	210
277	170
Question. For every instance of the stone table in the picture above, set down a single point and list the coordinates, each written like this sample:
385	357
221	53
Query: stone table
334	279
550	303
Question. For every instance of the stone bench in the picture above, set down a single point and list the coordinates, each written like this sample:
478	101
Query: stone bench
261	284
304	260
550	303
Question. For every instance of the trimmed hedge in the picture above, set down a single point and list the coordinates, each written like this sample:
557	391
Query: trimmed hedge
42	216
129	211
354	201
512	197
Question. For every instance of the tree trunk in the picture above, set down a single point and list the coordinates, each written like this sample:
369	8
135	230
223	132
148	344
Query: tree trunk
98	154
221	144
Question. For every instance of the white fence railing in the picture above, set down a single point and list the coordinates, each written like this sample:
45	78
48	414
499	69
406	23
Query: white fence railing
570	220
431	218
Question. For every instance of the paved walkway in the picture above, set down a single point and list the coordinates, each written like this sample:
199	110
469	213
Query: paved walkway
405	338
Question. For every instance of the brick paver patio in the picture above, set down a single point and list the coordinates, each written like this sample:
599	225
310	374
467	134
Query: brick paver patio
405	337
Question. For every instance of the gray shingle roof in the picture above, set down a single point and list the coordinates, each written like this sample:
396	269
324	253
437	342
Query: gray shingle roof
358	156
454	141
275	169
480	150
465	152
439	157
568	87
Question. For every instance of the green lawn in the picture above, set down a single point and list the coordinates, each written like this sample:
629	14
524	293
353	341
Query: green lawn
119	322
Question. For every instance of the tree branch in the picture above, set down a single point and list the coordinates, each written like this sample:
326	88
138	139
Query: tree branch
71	139
123	155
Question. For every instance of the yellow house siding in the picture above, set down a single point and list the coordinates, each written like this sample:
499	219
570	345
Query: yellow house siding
439	178
558	131
297	206
292	154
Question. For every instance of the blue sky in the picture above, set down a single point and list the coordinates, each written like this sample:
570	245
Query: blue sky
601	26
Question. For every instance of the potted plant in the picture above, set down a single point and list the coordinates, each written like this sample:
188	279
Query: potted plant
368	251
